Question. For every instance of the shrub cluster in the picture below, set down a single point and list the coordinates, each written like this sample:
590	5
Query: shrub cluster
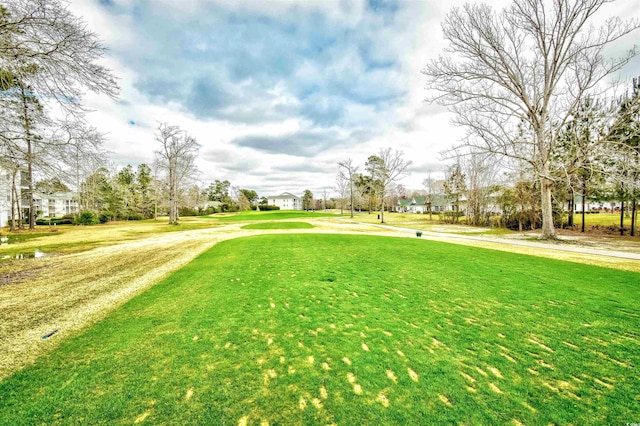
55	221
265	207
87	217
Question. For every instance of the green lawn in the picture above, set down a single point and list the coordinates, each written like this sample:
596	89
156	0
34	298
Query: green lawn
271	215
278	225
602	219
321	329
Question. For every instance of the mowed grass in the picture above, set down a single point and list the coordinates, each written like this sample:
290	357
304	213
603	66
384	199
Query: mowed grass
278	225
65	239
321	329
601	219
271	215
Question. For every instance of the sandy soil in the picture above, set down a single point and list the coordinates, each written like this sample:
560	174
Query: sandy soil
67	293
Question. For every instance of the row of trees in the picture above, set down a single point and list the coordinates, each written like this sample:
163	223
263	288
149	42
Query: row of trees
523	82
48	61
377	187
597	159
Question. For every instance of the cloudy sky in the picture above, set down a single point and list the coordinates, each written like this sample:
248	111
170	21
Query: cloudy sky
276	92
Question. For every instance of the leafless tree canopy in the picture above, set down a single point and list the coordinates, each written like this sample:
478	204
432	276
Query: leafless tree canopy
47	57
176	158
51	51
388	167
514	77
346	173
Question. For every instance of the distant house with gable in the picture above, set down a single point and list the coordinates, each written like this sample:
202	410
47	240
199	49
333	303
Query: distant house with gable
421	205
286	201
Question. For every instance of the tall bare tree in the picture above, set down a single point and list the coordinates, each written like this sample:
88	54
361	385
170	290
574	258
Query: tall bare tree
176	157
347	170
481	171
387	167
516	76
47	56
51	51
342	188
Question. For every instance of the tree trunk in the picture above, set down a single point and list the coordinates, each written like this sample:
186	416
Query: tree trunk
584	201
548	230
571	208
15	205
27	134
173	214
621	218
633	218
382	211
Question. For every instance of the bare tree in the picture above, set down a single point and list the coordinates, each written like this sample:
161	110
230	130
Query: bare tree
454	188
324	199
51	51
431	190
624	154
176	157
387	167
347	171
480	171
47	56
520	73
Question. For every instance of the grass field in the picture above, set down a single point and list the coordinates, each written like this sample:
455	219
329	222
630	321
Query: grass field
270	215
601	219
320	329
278	225
64	239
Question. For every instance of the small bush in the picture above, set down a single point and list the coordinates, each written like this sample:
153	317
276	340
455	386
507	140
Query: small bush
265	208
87	218
135	216
54	221
107	216
186	211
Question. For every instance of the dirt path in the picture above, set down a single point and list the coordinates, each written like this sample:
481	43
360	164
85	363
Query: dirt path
69	293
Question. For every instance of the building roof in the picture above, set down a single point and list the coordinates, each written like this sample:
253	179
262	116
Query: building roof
284	195
56	195
436	199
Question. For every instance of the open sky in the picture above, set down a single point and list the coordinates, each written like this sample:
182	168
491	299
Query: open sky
277	92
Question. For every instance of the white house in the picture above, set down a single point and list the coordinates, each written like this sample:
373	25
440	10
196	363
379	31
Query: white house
591	205
5	193
420	204
5	198
286	201
57	204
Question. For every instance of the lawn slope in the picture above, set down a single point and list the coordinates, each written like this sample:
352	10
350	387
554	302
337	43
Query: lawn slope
320	329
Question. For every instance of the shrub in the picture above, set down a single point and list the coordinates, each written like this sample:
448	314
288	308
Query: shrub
264	207
87	218
54	221
186	211
107	216
135	216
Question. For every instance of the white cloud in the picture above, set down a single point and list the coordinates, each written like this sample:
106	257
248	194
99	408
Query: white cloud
254	81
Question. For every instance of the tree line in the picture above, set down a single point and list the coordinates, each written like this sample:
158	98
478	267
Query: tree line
528	83
375	189
48	61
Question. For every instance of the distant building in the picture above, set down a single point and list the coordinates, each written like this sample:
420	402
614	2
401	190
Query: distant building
421	205
5	194
286	201
57	204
